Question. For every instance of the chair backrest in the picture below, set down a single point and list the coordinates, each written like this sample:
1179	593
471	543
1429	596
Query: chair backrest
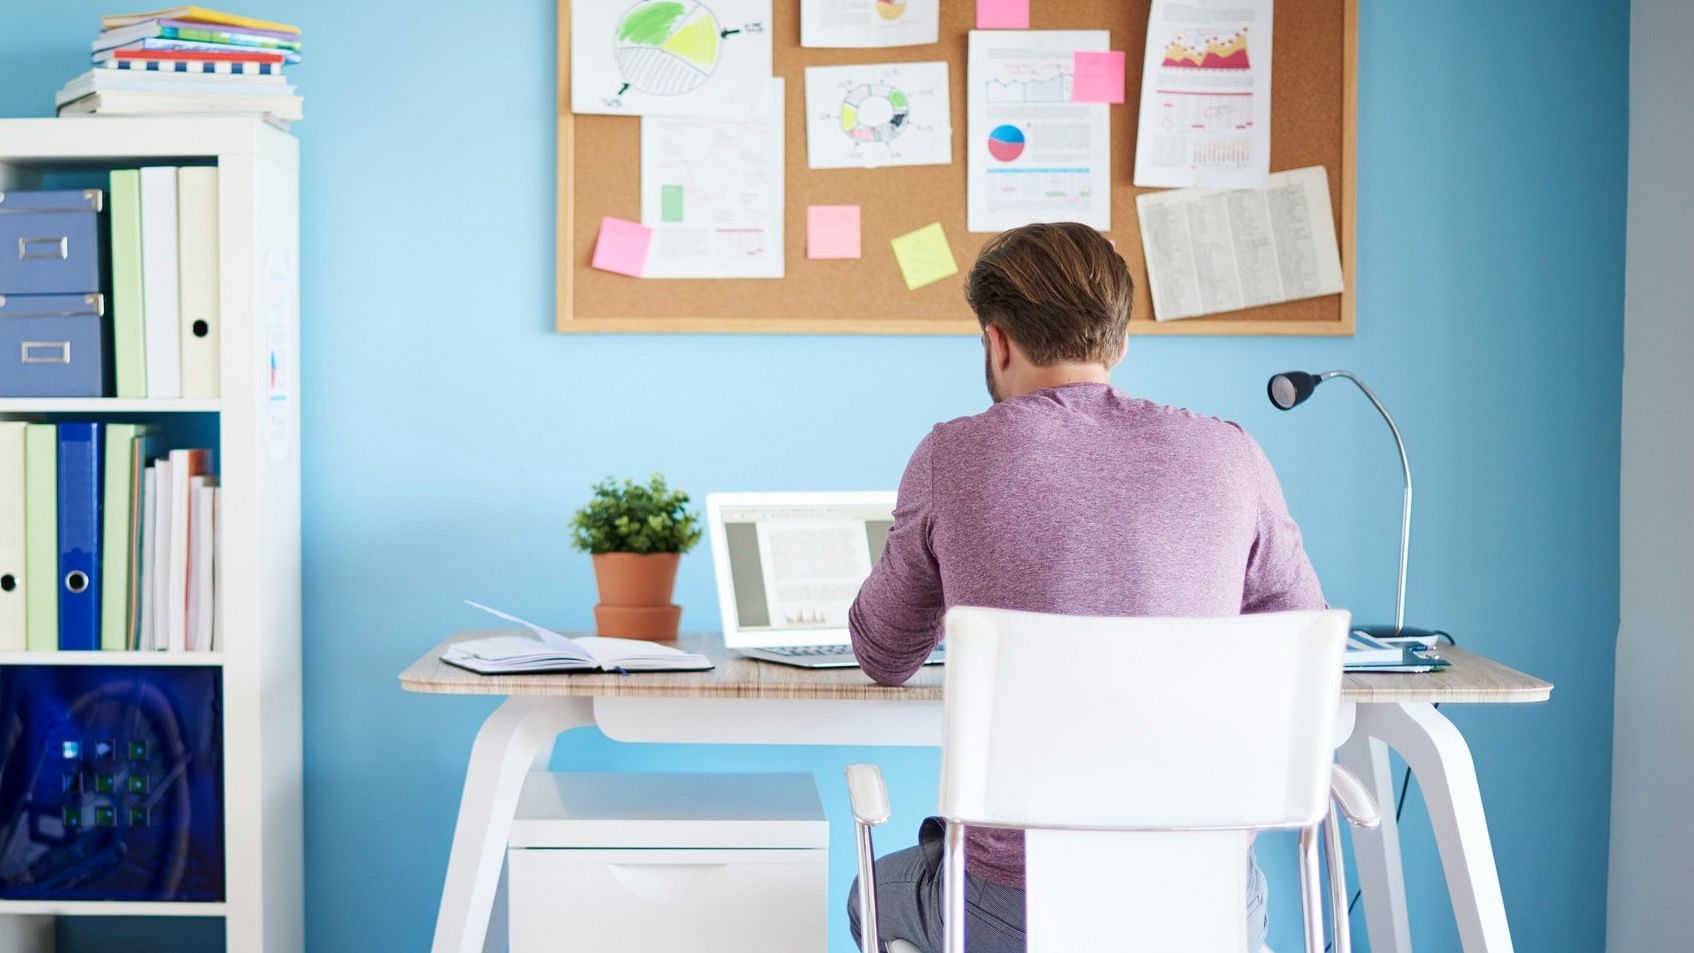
1146	751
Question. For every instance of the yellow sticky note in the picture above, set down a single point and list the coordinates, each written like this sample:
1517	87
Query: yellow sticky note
924	256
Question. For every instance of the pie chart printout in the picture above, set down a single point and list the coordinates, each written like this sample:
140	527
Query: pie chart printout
668	48
1005	142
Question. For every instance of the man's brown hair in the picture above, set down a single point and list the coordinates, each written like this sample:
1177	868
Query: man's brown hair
1058	289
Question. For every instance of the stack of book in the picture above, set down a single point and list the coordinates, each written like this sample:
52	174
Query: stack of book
111	540
187	60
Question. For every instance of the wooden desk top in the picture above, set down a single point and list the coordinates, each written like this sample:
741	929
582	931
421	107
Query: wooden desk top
1472	678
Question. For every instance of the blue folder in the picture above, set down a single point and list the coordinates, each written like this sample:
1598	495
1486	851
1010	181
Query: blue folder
79	536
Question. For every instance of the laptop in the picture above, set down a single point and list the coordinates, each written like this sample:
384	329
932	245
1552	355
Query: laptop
788	568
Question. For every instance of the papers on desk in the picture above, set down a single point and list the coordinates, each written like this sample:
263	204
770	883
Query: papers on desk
1368	654
544	650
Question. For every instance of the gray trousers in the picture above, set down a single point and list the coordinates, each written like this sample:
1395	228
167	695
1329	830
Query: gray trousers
910	895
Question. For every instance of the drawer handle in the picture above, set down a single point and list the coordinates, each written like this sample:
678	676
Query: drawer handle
666	882
45	352
44	249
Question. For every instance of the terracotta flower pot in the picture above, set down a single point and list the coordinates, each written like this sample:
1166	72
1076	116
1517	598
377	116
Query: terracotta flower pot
635	595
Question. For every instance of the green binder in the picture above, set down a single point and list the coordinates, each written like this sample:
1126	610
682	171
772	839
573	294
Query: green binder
41	537
129	321
126	446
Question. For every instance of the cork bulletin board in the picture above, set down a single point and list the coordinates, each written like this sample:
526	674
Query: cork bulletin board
1313	111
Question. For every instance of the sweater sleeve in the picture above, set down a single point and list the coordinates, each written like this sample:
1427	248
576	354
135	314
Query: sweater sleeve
1279	574
895	622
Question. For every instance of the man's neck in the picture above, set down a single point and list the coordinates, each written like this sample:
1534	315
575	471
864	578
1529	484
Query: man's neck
1033	379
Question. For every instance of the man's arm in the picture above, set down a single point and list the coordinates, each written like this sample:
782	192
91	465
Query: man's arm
1279	575
895	622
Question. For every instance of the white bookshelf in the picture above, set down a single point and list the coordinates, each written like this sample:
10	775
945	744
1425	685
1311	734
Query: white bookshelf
16	406
257	422
201	659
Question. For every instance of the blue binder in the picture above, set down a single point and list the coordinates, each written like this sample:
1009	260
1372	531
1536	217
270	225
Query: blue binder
79	536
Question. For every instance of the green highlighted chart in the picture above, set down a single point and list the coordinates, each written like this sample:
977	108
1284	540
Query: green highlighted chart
670	57
668	48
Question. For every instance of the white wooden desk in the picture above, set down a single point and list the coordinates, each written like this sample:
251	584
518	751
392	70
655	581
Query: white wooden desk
748	702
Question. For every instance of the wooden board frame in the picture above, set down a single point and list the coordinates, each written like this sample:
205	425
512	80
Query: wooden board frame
575	283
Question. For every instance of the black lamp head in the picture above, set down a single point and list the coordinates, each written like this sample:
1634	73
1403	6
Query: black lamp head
1290	389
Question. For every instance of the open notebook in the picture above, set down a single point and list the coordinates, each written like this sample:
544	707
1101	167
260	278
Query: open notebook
547	651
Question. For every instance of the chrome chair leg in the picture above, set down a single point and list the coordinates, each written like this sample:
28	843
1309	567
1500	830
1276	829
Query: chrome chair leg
1341	934
955	866
1311	900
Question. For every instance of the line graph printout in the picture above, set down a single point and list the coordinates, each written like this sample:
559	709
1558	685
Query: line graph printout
812	570
1033	155
711	191
858	24
669	57
1205	95
878	114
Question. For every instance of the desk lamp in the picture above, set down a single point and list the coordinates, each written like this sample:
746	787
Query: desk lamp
1289	390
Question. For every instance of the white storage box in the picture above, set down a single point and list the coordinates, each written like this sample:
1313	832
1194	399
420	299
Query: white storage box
669	862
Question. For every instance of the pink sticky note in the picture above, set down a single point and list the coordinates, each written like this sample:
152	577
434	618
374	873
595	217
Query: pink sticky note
1098	77
832	231
622	247
1002	14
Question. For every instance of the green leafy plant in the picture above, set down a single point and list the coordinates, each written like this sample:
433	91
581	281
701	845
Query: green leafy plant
629	517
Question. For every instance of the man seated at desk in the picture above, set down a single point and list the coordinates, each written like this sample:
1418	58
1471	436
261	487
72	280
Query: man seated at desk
1066	496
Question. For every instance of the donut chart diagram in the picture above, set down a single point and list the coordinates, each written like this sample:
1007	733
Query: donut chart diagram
667	48
874	112
1005	142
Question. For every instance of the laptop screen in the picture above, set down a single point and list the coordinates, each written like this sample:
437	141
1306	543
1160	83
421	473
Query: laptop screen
795	568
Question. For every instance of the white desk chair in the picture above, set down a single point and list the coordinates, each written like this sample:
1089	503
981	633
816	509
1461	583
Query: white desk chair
1141	756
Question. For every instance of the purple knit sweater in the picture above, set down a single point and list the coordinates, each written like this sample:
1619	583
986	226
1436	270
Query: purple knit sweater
1079	500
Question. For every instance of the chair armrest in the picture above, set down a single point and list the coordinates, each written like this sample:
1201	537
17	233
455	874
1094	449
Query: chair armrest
1355	801
868	794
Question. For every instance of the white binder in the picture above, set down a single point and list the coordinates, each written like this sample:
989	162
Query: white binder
197	246
159	280
12	632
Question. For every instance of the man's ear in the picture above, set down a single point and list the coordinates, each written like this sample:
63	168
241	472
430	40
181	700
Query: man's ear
1123	352
999	346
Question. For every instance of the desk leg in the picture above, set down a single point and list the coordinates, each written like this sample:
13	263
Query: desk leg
511	742
1376	853
1438	755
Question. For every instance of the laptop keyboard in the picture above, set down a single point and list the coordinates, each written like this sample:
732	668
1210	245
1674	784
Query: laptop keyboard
808	651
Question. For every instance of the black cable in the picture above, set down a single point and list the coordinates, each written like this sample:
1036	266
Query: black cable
1399	804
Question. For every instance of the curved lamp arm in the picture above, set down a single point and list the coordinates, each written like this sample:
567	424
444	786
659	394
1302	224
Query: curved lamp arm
1406	509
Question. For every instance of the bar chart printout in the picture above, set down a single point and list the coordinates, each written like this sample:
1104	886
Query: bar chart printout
1205	95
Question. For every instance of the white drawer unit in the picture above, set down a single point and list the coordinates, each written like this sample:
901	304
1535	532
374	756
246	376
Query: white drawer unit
669	862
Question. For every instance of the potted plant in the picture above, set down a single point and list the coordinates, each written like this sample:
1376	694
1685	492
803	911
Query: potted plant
636	534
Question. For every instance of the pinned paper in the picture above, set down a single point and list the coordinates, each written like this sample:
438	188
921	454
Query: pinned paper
1098	77
924	256
622	247
1002	14
832	231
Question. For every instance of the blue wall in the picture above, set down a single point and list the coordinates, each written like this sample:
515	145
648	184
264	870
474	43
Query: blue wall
448	432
